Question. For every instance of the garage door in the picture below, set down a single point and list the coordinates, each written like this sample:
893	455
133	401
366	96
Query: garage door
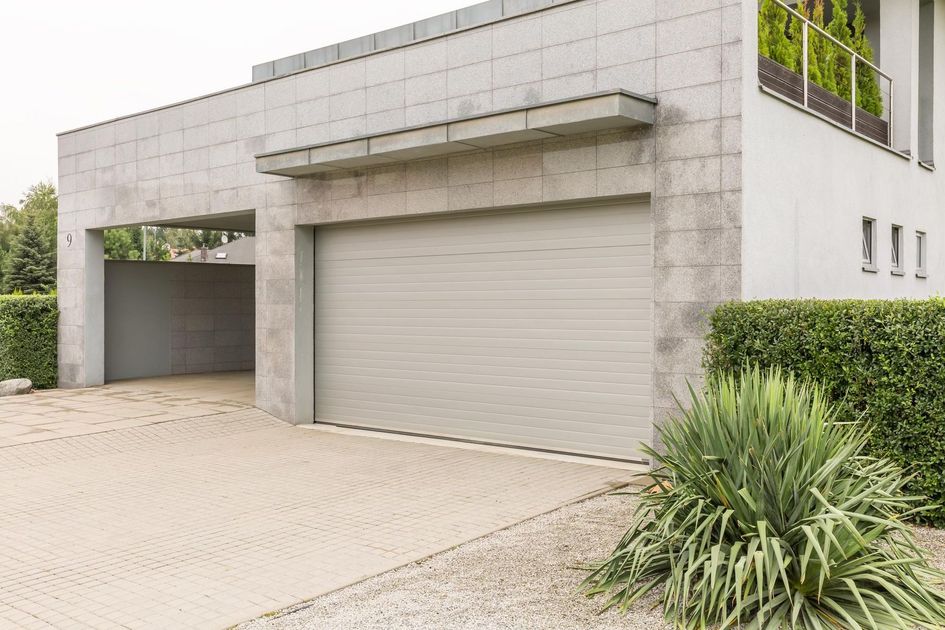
529	328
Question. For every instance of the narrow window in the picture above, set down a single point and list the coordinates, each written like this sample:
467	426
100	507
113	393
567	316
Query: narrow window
869	244
895	250
920	254
926	80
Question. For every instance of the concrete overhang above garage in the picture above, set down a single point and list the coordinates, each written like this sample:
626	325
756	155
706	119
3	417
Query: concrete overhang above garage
596	112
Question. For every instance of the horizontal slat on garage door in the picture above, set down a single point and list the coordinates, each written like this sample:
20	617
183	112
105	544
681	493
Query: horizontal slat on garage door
527	328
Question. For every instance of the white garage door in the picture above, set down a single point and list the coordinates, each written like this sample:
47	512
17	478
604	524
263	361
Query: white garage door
529	328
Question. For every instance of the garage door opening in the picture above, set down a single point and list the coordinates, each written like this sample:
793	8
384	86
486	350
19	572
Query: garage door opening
526	328
184	306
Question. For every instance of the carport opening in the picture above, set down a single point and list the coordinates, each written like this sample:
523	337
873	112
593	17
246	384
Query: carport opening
180	301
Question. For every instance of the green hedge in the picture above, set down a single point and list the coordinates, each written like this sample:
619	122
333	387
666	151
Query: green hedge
28	338
880	360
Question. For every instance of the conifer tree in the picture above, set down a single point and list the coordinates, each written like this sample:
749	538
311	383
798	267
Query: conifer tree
823	50
773	41
797	40
840	29
868	95
30	267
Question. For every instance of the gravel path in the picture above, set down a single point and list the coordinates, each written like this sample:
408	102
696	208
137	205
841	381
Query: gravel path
521	577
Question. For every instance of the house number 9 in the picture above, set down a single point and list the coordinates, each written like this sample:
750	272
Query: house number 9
69	240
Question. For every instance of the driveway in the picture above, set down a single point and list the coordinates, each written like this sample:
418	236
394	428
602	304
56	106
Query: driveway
210	512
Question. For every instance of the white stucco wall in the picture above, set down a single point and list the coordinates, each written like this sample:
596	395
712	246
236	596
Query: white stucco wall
807	185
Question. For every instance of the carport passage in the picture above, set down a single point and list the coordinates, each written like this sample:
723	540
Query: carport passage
208	521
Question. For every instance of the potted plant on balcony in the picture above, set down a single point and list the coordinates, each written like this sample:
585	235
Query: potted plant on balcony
829	66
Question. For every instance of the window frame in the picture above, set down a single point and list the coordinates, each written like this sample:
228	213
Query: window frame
921	254
896	263
869	261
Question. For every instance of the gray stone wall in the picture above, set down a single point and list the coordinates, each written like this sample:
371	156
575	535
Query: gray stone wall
197	158
212	318
179	318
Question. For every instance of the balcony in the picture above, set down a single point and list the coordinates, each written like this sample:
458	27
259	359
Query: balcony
800	61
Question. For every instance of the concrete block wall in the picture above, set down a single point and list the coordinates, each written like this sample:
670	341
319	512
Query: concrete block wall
179	318
197	158
212	318
686	54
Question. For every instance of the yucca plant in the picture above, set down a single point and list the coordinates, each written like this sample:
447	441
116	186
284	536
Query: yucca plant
764	513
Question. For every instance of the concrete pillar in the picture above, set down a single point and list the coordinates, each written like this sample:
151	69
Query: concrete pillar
304	325
94	336
899	23
81	293
284	309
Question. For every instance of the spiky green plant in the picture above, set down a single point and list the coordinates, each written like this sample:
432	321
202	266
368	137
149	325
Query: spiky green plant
765	513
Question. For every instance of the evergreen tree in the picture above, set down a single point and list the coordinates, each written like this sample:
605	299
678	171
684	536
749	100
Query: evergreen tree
30	267
797	40
823	50
840	29
120	244
868	95
42	202
773	41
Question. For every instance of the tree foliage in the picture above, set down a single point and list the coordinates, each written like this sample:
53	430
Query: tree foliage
780	38
40	205
773	42
839	28
128	243
824	51
30	267
868	95
797	42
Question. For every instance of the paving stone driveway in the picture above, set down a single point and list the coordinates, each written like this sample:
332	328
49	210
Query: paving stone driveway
216	518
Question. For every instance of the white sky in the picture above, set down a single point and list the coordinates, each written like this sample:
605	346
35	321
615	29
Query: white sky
69	63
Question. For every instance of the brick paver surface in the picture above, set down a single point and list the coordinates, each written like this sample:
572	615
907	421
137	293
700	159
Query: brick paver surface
53	414
223	515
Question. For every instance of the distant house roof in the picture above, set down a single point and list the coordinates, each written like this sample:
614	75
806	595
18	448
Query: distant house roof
242	251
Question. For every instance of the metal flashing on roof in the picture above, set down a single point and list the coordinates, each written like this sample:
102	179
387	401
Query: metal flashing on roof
595	112
466	17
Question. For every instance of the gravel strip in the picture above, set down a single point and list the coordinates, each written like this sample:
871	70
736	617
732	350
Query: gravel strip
520	577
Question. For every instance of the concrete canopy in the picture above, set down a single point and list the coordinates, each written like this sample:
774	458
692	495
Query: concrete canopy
595	112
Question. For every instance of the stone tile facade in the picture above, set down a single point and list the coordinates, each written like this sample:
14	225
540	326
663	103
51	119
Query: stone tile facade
197	158
212	319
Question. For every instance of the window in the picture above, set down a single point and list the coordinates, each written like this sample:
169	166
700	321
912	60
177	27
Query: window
926	80
869	244
895	250
920	254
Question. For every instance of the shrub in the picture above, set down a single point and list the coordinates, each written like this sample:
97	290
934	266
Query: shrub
883	360
28	338
765	512
780	38
773	42
868	95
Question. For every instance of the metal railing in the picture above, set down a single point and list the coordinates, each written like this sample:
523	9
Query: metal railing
854	58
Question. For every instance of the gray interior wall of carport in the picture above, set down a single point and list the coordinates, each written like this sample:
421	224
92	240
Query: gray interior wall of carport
163	319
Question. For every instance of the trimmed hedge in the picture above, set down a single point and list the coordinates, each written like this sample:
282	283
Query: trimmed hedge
28	338
882	360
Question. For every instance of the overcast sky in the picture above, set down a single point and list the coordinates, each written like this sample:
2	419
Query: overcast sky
68	63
